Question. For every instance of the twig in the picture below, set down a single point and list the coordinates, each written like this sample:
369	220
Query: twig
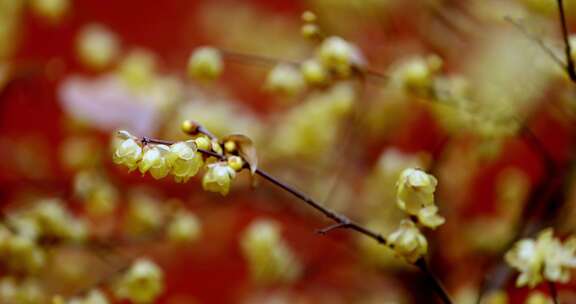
263	61
567	47
538	41
436	285
553	292
341	221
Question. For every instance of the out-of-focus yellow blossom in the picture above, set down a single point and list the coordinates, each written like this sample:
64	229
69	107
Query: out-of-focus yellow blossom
416	75
98	194
313	72
97	46
28	291
218	178
308	16
311	128
56	221
184	227
415	195
93	297
11	15
544	258
157	160
137	69
338	55
269	258
22	254
144	215
310	31
185	160
285	79
128	152
408	242
495	297
205	63
142	283
52	10
79	152
537	297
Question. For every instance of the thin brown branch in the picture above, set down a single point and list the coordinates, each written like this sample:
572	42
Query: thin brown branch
267	62
567	47
538	41
553	292
436	285
340	220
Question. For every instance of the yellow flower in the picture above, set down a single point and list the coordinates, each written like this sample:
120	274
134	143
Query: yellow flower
559	259
408	242
543	258
285	79
415	196
95	296
537	297
52	10
269	258
186	160
218	178
128	152
205	63
339	55
185	227
156	160
97	47
527	259
142	283
313	72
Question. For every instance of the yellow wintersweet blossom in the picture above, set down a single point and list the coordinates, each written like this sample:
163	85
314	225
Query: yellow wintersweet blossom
52	10
95	296
184	227
142	283
415	196
129	152
185	159
285	79
218	178
269	258
338	55
538	297
313	72
545	258
205	63
408	242
97	47
157	160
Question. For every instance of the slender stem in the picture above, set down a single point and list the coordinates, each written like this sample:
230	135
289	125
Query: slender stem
434	282
553	292
264	61
340	220
567	47
538	41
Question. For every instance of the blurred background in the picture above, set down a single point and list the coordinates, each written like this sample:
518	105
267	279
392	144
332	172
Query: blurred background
451	87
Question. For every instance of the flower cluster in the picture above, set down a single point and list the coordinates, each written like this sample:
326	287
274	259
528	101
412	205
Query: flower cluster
415	196
184	159
545	258
13	290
